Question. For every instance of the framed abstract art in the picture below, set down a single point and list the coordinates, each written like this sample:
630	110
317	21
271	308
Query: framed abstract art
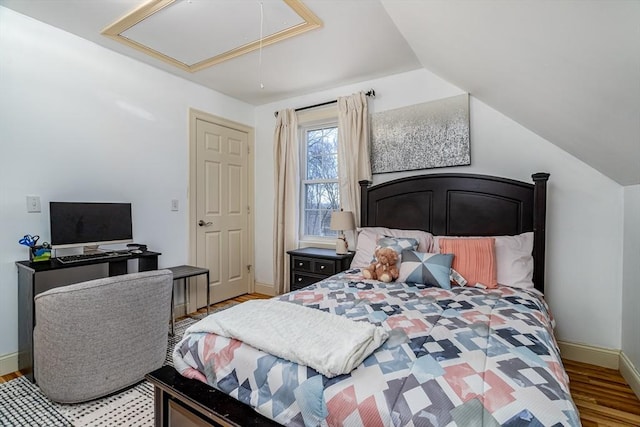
423	136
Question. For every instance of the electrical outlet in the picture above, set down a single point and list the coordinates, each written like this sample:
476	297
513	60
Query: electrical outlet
174	205
33	204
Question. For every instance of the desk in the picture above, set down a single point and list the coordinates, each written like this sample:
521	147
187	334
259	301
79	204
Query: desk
185	272
37	277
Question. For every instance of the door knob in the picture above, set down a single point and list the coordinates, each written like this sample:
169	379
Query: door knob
201	223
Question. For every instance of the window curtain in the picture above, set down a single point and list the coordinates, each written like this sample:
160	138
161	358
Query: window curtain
287	183
354	163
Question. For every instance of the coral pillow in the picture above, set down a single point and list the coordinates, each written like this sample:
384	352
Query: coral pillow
513	258
475	259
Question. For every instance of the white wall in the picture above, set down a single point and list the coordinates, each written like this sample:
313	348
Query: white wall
585	208
631	275
80	122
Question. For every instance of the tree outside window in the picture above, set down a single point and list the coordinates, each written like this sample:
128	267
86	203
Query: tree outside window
320	189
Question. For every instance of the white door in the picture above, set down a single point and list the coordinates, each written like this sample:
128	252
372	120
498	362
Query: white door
222	210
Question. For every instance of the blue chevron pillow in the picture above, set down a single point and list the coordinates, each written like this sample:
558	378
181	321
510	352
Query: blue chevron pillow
426	268
398	244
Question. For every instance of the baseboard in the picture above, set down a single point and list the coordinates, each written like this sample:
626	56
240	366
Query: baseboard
630	373
263	288
180	310
8	363
598	356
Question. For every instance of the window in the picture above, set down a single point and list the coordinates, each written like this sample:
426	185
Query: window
319	179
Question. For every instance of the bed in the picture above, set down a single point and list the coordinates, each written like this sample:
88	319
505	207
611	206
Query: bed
453	355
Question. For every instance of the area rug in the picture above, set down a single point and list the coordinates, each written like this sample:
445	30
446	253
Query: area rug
22	403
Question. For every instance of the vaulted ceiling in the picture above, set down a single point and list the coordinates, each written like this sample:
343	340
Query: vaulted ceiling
568	70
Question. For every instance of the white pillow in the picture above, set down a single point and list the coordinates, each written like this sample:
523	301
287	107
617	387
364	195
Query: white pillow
514	259
368	238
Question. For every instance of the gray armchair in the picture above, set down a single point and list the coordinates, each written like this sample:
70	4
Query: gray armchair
97	337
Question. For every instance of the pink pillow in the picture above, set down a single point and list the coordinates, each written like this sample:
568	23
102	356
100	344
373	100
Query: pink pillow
475	259
513	256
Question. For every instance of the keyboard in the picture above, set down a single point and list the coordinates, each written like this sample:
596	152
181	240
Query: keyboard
68	259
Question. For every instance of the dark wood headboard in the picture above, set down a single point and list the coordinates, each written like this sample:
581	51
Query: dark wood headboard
461	205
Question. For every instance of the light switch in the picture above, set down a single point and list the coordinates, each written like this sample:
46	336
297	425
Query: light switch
174	205
33	204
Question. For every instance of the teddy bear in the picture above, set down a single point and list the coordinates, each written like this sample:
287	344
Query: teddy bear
384	267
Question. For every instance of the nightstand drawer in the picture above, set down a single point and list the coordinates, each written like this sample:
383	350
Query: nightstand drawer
310	265
301	264
325	267
302	280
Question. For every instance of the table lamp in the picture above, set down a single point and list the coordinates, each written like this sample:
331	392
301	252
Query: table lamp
341	221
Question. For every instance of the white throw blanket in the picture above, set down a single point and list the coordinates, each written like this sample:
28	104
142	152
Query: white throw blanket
330	344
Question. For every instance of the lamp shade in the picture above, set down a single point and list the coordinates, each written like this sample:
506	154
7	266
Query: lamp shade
342	220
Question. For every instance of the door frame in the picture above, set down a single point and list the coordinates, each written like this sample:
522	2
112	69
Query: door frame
195	115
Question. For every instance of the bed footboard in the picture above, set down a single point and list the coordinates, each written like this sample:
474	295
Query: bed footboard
183	401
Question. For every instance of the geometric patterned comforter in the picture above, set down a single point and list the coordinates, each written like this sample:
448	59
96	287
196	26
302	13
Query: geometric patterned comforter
459	357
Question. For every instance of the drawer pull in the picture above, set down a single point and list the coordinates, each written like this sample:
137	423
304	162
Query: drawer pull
322	267
299	279
300	264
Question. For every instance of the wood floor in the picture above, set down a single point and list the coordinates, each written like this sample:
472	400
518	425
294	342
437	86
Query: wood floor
602	396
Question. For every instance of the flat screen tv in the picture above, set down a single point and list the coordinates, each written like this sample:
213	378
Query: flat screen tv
89	224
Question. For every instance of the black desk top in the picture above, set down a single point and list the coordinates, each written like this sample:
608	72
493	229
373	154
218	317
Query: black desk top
54	264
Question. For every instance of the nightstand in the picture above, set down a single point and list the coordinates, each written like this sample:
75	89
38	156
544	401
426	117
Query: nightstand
310	265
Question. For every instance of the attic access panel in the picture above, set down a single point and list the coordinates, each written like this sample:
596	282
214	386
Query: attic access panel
196	34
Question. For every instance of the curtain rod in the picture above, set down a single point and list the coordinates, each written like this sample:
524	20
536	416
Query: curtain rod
371	93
